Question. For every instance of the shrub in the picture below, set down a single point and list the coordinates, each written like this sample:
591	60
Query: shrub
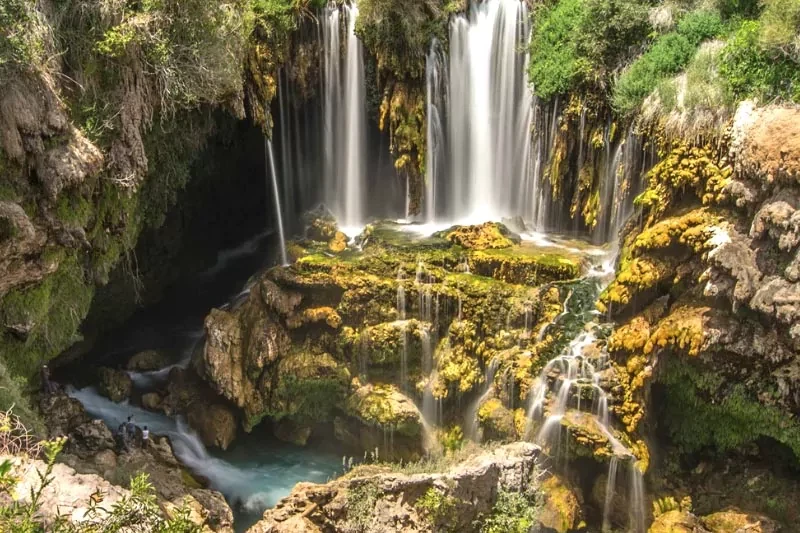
438	509
578	42
750	70
669	54
513	512
780	30
21	41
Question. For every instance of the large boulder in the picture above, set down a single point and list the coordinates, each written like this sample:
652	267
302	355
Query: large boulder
562	506
114	384
733	520
62	414
90	438
489	235
215	423
147	360
676	522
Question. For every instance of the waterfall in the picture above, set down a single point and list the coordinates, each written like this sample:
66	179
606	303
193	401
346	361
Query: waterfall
435	84
344	116
489	112
611	486
472	426
270	157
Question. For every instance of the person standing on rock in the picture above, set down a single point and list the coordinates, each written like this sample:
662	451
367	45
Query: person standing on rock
131	429
145	438
122	436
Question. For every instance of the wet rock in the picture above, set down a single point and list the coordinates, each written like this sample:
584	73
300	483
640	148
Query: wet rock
90	438
496	421
677	522
68	164
490	235
114	384
147	360
562	506
288	431
152	401
219	515
735	521
62	414
283	302
386	407
315	315
215	423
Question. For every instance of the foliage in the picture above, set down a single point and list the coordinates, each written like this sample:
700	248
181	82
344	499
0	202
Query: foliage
47	315
668	55
752	70
12	397
703	410
452	439
399	33
780	28
577	42
137	512
513	512
21	41
361	500
438	509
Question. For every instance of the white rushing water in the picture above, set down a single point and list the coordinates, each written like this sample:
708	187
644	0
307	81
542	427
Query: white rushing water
488	115
250	480
345	119
270	156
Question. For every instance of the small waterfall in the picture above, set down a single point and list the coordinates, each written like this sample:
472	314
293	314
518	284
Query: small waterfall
401	314
277	196
611	487
637	522
344	116
435	83
472	426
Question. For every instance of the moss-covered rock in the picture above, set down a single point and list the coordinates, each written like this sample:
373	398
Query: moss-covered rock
562	506
496	421
385	407
489	235
116	385
734	520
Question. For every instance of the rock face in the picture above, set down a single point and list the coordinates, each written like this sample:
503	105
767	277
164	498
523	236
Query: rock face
216	424
116	385
391	501
707	295
292	349
147	360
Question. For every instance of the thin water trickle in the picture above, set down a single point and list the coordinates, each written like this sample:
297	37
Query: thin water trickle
473	430
277	198
611	487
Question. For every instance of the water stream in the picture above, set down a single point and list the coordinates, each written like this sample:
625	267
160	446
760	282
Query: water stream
277	198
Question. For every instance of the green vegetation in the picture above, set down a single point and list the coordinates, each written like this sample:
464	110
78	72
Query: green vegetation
513	512
705	411
138	510
576	44
751	69
438	509
361	500
21	40
669	54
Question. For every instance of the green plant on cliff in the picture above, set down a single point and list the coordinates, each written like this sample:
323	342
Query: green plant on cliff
512	512
361	500
21	37
703	410
668	55
581	42
438	509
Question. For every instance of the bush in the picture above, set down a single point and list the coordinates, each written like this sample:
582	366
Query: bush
669	54
513	512
580	42
750	70
21	44
438	509
780	30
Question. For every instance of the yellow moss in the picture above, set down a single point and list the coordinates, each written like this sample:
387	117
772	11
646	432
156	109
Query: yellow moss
338	243
630	337
489	235
683	328
314	315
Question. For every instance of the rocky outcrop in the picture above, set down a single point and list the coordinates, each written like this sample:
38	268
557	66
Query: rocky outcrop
146	361
728	521
114	384
393	501
216	424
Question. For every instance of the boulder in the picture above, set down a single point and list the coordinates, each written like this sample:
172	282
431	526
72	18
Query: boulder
676	522
219	515
114	384
90	438
733	520
489	235
288	431
496	421
215	423
152	401
62	414
562	506
147	360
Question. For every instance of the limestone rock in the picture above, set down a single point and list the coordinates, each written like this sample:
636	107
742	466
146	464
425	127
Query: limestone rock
315	315
490	235
279	300
677	522
288	431
215	423
68	164
562	506
147	360
219	516
386	407
496	421
114	384
90	438
152	401
62	414
473	486
735	521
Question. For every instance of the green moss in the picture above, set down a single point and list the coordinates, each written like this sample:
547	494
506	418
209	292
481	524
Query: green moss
704	411
74	209
438	509
45	316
